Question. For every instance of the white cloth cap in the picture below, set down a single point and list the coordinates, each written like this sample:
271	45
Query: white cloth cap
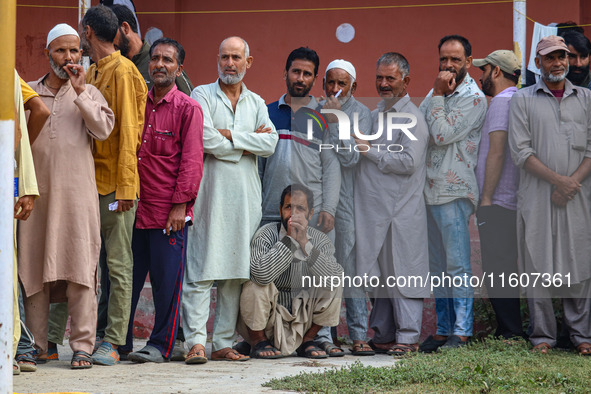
62	29
342	64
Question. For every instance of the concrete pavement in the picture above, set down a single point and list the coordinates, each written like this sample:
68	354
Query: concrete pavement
175	377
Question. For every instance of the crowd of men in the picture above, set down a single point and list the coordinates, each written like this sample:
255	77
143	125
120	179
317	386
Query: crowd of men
247	196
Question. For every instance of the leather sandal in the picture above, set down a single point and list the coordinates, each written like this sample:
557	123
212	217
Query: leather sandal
362	349
264	346
403	349
80	356
328	348
306	349
221	355
584	349
541	348
194	357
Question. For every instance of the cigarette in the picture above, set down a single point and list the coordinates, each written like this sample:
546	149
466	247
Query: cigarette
338	93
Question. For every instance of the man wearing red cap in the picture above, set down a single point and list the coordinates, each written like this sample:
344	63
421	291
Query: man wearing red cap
550	140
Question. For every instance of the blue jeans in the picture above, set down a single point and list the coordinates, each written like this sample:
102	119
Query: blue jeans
449	256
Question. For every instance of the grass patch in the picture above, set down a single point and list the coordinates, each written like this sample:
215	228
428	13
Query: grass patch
489	365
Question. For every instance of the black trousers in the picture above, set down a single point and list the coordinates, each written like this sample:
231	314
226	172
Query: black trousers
498	245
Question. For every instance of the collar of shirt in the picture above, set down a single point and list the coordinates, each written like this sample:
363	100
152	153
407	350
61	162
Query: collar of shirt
507	92
298	254
312	104
44	91
243	93
569	88
397	107
464	87
107	61
167	97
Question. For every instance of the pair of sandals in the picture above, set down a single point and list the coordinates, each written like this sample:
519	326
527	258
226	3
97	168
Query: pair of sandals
306	349
584	349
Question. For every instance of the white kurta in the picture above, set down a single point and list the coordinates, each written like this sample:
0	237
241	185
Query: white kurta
228	207
389	193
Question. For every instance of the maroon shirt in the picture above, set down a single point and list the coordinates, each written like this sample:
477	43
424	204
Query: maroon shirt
170	159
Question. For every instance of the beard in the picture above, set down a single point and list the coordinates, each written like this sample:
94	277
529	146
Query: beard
59	69
231	79
548	76
458	75
294	93
487	86
167	81
123	43
577	74
343	100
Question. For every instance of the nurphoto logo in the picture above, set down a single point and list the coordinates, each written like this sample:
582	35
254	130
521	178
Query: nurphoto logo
316	122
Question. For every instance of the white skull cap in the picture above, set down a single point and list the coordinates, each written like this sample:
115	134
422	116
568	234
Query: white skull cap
344	65
62	29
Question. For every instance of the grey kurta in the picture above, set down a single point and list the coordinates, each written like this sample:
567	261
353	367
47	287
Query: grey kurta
558	239
228	207
345	216
389	192
61	238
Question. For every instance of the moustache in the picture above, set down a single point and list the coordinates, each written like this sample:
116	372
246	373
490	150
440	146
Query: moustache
159	70
385	89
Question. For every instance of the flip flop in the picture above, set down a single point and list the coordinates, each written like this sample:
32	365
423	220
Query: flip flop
362	349
265	346
328	348
303	350
149	354
193	356
81	356
403	349
220	355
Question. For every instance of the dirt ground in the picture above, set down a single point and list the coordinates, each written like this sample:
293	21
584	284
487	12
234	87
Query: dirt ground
174	377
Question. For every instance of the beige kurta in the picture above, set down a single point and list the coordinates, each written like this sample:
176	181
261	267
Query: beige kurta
61	238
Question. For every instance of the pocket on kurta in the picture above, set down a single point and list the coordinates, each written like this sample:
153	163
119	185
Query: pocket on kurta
163	142
578	137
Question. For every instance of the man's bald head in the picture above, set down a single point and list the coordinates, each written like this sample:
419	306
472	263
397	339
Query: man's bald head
236	40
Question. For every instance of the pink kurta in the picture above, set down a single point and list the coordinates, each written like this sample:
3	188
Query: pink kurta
61	238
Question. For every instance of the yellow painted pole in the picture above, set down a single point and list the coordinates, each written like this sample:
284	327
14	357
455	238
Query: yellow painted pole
7	48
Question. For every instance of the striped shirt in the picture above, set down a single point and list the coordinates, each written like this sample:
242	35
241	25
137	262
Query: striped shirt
272	260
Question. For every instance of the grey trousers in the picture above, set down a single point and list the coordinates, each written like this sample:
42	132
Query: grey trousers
397	319
577	315
577	311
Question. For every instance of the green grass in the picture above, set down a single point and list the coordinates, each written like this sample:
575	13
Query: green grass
487	366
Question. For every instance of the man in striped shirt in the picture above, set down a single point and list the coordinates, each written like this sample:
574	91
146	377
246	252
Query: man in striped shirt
292	269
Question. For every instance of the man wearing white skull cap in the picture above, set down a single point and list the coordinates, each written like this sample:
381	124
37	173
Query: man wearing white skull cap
60	242
339	84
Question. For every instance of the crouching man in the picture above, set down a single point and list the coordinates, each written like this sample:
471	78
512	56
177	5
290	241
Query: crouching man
283	305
